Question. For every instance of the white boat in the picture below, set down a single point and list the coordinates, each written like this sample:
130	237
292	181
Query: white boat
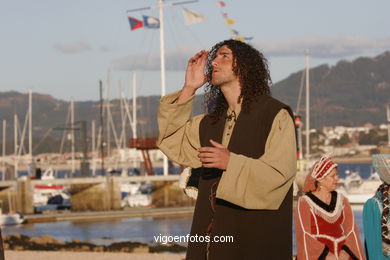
136	194
358	190
10	218
138	200
50	197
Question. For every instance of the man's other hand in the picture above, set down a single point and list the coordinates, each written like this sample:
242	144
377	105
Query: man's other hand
214	157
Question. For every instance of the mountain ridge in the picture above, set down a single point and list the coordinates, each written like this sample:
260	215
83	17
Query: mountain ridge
349	93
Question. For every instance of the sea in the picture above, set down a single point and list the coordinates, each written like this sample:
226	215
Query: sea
143	229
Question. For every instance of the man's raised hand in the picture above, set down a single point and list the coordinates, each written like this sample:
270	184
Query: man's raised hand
195	77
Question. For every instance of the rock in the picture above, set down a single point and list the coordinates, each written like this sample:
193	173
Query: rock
98	249
46	239
141	249
15	236
85	248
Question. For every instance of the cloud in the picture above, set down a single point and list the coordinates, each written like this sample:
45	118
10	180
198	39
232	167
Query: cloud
323	47
174	60
74	47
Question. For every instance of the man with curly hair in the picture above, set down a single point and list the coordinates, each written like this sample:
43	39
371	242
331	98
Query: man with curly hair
243	151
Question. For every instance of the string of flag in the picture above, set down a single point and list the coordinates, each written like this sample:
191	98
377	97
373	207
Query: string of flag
230	22
190	17
149	22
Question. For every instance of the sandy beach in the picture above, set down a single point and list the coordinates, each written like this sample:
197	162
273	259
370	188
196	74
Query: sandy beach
46	255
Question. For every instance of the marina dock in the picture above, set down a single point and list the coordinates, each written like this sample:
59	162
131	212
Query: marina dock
105	215
89	194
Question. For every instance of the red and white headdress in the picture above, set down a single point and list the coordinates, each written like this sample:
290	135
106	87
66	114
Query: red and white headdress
322	167
319	171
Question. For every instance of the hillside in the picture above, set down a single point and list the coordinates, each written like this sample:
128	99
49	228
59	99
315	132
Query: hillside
348	93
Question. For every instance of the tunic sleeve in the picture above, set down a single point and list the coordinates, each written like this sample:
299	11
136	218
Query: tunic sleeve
372	230
263	183
308	247
352	241
178	134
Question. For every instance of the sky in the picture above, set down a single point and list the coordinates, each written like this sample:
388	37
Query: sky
63	48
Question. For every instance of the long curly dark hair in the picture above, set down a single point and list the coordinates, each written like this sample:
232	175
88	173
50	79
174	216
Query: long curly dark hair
250	66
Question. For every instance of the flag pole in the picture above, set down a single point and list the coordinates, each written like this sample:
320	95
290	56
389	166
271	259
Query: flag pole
162	67
161	6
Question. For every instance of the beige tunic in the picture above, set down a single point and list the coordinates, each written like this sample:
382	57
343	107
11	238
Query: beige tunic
241	183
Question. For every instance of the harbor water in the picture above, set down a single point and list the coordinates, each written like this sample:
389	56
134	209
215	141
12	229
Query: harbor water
143	229
129	229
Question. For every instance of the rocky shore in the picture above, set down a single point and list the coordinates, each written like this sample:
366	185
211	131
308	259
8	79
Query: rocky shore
18	242
63	255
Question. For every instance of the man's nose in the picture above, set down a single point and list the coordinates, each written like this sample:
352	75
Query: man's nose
214	63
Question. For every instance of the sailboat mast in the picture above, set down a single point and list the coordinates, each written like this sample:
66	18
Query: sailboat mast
101	132
162	65
307	109
72	135
388	125
108	145
93	148
161	6
162	47
30	132
4	140
134	123
15	145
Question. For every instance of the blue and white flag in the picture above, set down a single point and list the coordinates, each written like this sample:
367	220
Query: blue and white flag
151	22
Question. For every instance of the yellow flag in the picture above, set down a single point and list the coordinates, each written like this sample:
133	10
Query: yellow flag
230	21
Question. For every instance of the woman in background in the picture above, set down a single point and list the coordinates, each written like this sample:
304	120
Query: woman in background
376	221
325	225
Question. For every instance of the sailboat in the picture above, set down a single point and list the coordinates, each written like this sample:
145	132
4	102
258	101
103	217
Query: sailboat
304	163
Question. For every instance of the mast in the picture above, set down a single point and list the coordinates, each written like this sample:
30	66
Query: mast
162	47
388	125
15	146
108	114
101	127
4	140
161	6
307	110
162	65
72	136
123	104
93	149
32	168
134	123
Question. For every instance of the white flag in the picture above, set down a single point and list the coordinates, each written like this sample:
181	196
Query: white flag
191	17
